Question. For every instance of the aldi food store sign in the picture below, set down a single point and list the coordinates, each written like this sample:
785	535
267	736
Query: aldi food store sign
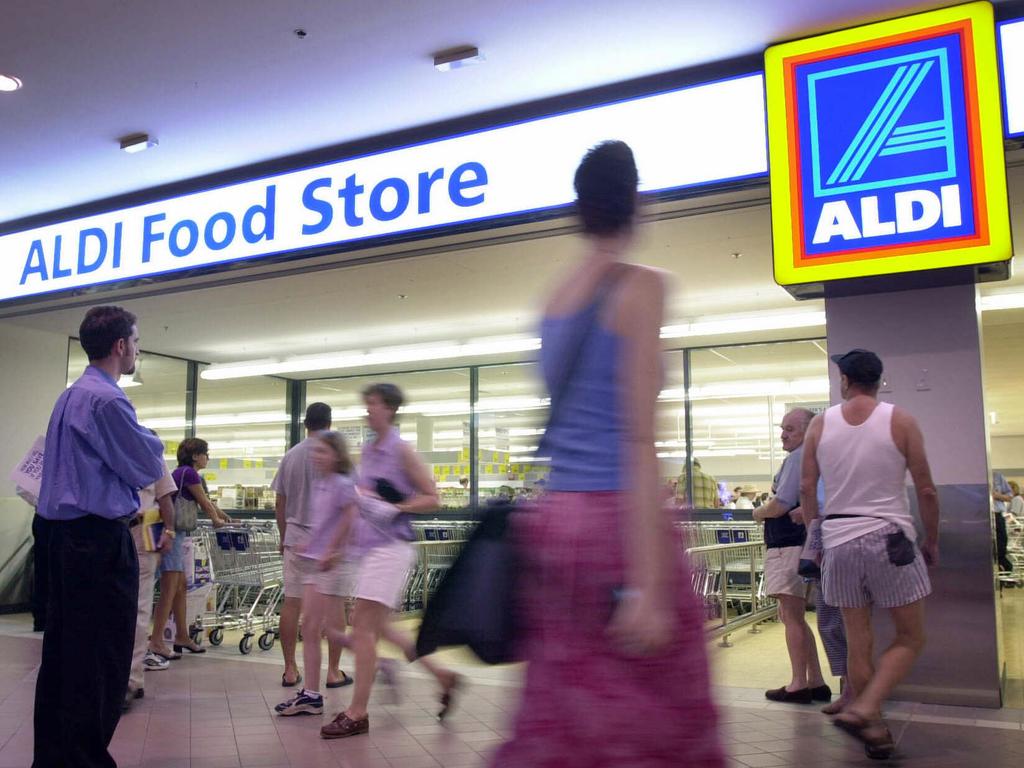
687	137
886	149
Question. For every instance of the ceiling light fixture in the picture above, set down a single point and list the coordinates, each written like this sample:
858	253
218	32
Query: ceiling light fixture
9	83
457	58
1002	301
137	142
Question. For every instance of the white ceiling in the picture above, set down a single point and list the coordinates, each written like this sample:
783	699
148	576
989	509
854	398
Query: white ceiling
225	84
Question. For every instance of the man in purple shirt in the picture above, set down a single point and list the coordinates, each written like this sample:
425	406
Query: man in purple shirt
97	459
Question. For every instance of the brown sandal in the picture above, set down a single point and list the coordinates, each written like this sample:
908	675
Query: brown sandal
448	697
877	746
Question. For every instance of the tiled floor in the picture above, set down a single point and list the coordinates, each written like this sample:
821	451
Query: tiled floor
214	711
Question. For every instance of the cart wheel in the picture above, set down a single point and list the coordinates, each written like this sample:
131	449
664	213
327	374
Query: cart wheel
245	645
266	641
216	636
196	635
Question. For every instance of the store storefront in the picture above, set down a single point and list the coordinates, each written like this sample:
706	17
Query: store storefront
423	262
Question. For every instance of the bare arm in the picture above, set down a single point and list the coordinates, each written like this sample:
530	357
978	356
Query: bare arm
280	501
810	472
349	512
206	505
167	517
911	444
426	500
770	509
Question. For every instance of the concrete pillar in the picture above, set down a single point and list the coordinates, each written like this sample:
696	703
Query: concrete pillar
929	341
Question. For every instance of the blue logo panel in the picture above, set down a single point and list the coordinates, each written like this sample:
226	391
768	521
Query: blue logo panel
884	148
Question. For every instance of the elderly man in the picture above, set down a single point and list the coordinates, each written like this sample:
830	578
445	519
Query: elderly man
784	541
863	449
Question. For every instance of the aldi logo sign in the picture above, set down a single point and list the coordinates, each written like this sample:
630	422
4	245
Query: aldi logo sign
886	148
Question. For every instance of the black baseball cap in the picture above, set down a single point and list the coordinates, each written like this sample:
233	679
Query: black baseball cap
860	366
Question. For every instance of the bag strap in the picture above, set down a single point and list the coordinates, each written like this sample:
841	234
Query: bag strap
605	285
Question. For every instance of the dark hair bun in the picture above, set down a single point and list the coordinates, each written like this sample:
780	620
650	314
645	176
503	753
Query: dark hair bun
606	182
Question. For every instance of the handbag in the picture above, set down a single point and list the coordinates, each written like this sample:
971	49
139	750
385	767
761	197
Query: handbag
186	514
810	556
474	604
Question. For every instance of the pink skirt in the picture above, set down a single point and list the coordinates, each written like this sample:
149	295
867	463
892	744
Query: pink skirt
585	703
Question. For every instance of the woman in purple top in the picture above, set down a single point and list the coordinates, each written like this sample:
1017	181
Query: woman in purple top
390	471
328	572
193	455
614	638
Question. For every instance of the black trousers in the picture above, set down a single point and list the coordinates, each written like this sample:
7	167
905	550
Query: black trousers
1002	541
40	570
87	648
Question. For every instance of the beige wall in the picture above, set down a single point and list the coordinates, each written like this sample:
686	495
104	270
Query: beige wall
31	378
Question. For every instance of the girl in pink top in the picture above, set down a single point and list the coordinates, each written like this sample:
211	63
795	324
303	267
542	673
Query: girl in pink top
390	471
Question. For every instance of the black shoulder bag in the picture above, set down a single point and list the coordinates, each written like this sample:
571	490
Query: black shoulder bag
474	603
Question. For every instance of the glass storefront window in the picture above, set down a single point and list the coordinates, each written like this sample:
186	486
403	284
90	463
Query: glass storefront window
435	420
246	423
738	396
157	390
512	410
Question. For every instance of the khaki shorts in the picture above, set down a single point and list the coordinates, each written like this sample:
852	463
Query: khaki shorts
292	574
337	581
780	576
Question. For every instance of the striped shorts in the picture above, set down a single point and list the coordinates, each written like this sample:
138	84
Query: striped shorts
858	574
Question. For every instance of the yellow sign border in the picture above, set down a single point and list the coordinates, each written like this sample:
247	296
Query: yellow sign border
993	161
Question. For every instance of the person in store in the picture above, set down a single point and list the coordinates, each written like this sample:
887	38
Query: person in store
155	496
396	484
97	459
193	455
293	486
1002	496
705	488
784	542
325	562
617	670
863	449
745	497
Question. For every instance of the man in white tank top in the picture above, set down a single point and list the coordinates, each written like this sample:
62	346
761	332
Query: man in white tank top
863	450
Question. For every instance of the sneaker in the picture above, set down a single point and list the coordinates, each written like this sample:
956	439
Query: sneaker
302	703
154	662
387	671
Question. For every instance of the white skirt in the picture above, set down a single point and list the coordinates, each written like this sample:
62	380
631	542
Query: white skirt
383	572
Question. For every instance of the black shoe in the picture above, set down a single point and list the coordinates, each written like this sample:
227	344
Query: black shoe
139	693
821	693
803	696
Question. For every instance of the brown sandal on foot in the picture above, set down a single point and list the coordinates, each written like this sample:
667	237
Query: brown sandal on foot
877	745
448	697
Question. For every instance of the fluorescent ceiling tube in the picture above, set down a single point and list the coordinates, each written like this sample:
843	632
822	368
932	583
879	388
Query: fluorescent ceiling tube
1001	301
761	321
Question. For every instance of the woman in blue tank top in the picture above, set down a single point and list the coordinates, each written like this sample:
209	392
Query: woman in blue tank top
614	635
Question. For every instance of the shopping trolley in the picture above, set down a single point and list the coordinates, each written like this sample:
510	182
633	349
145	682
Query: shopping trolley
433	559
246	566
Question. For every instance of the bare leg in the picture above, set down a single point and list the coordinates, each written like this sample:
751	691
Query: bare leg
289	630
168	589
860	647
404	641
313	618
180	617
335	620
815	678
791	611
367	623
894	663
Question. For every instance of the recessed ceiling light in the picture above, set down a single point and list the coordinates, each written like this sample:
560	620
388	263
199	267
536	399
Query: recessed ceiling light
457	58
9	83
137	142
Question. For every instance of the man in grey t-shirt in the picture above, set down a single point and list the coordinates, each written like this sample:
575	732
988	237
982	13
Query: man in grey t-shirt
293	485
